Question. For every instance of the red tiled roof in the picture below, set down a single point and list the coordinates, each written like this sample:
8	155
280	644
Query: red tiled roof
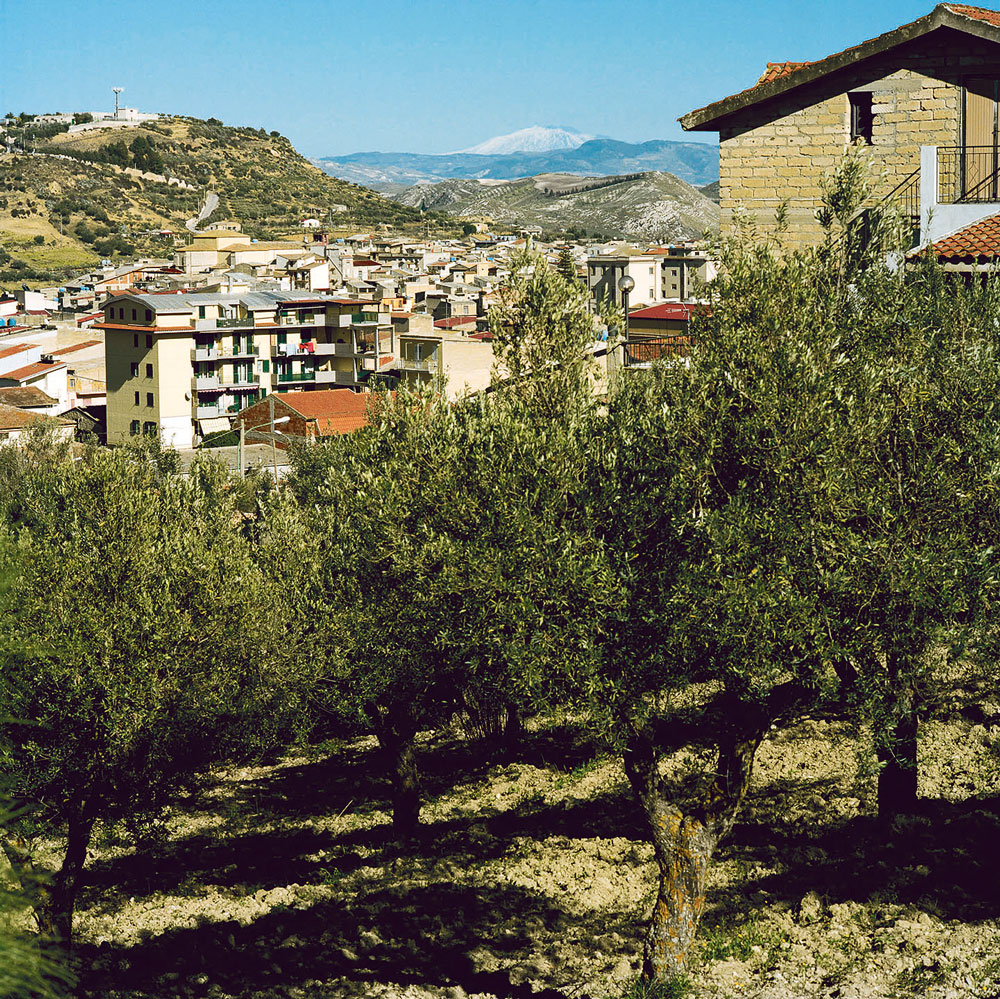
776	70
981	239
336	411
781	70
668	310
73	347
12	418
30	370
976	13
25	396
453	321
17	348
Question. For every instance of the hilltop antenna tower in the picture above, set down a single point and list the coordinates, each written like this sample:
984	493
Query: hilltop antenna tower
117	91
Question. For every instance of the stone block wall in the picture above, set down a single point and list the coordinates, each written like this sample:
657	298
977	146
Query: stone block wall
780	150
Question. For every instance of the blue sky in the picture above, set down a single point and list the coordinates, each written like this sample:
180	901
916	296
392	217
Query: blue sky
418	75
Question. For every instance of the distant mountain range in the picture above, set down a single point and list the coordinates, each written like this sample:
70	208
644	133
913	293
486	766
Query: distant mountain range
650	205
695	162
536	139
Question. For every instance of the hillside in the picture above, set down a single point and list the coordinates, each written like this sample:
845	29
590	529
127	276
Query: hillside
74	202
651	205
695	162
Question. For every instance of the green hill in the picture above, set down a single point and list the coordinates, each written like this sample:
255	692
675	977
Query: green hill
80	196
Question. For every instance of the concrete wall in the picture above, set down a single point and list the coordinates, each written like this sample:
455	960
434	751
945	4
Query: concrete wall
782	148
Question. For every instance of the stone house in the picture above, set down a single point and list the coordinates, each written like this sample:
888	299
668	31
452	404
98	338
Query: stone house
923	98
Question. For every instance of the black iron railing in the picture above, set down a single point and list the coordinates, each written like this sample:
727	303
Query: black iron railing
968	174
647	351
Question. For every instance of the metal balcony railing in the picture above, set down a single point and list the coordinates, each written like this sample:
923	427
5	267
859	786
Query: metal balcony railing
968	174
647	351
296	376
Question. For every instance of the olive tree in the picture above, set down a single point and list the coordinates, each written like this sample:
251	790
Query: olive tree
138	643
432	550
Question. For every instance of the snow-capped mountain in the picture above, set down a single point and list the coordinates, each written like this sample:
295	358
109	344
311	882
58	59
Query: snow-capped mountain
536	139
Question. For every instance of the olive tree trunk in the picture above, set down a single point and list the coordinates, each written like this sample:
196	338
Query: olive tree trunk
896	742
397	735
683	844
57	903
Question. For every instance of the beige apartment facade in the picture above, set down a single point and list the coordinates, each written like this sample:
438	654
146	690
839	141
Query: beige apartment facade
932	85
181	366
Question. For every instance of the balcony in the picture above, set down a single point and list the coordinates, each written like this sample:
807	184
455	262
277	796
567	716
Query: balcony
205	354
334	350
234	323
373	362
204	412
959	185
411	364
204	382
248	350
296	376
335	378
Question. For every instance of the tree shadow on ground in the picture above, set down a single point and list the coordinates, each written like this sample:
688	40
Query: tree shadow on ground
941	860
434	934
274	858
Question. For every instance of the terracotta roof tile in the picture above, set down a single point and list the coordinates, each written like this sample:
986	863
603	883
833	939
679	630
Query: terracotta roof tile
17	348
12	418
780	70
30	371
981	239
976	13
668	310
776	70
336	411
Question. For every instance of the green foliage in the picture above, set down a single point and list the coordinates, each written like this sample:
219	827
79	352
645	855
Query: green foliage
138	640
675	987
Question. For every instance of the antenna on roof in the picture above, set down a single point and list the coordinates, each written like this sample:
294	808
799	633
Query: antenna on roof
117	91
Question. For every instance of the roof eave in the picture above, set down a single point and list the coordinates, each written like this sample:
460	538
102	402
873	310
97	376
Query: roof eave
707	118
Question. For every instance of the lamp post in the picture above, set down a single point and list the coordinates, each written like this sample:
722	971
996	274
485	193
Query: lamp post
625	284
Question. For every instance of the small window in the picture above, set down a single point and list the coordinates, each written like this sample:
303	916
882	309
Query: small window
150	429
133	428
133	315
201	311
149	339
862	118
149	370
135	339
137	398
149	316
265	366
134	370
149	399
650	270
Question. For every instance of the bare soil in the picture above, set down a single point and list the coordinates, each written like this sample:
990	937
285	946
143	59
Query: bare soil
533	878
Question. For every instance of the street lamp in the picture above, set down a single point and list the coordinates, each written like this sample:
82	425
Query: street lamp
273	423
625	284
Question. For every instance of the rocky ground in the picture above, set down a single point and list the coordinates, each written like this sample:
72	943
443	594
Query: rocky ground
277	882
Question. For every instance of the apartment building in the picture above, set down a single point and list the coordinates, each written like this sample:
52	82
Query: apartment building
605	270
179	366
